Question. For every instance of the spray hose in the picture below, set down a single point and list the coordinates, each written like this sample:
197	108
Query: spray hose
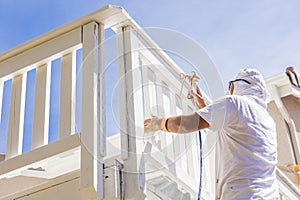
193	79
201	166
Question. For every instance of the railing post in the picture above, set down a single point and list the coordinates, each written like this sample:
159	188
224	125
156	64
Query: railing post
93	112
131	113
16	117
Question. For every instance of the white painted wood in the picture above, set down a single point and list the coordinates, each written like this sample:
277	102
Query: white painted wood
208	174
91	182
146	87
131	112
189	150
286	186
289	121
163	71
160	55
44	152
152	93
174	83
101	93
38	55
108	15
182	142
44	185
161	112
135	112
177	110
195	153
167	109
41	106
178	176
16	117
150	100
185	148
183	151
123	91
67	95
67	189
54	166
1	97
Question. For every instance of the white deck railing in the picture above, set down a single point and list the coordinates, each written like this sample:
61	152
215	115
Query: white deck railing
39	58
148	66
148	80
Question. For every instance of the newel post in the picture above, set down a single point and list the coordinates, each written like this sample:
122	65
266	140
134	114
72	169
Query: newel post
131	113
93	112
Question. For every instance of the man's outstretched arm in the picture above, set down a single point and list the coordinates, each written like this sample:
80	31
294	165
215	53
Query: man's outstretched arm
176	124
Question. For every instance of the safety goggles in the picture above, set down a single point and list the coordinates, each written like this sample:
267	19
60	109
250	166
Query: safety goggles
231	82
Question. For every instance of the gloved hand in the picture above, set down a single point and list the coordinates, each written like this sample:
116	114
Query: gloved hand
198	98
152	124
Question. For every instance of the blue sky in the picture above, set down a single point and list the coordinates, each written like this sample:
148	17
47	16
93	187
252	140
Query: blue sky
257	33
263	34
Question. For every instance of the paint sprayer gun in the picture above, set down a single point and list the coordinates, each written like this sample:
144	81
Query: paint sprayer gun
192	79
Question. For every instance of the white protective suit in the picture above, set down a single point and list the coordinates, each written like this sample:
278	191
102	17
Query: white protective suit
246	150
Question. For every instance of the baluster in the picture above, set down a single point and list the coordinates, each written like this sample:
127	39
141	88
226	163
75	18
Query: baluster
41	106
67	95
176	110
147	89
161	110
189	151
182	138
195	153
151	92
150	99
194	140
167	105
16	117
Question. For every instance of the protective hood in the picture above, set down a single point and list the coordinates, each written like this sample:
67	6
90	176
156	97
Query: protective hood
257	88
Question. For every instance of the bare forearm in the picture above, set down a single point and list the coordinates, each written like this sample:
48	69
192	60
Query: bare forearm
177	124
186	123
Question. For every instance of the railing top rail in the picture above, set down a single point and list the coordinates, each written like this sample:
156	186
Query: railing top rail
109	16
